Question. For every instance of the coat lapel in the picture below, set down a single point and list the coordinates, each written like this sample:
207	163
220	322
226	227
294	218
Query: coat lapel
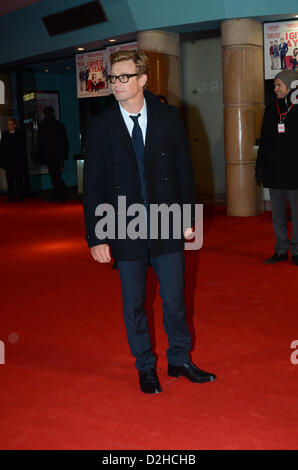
153	126
121	139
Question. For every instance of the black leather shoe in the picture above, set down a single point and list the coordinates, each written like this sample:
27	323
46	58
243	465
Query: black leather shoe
276	258
191	372
295	259
149	382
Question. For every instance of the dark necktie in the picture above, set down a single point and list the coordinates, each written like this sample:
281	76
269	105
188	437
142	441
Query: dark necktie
138	144
137	137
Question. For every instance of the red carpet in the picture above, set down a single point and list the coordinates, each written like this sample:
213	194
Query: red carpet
69	381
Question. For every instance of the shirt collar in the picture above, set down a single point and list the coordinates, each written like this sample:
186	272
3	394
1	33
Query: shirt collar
142	112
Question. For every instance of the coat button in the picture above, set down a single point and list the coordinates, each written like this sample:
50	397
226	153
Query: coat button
165	179
163	154
118	186
117	162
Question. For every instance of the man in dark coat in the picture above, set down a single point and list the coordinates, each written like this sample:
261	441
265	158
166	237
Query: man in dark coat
137	149
277	162
52	149
13	159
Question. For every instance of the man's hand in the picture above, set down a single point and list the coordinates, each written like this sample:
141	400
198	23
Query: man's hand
101	253
188	234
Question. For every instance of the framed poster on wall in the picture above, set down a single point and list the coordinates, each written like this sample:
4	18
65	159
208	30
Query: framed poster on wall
91	69
47	98
280	47
34	103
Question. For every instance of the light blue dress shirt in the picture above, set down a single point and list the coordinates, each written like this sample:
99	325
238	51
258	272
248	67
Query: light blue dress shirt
142	120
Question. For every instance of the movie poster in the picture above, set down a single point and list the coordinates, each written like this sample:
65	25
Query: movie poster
93	68
280	47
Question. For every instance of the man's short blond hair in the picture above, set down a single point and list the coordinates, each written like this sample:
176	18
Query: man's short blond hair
140	59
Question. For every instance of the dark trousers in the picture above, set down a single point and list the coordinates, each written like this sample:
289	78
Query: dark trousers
58	183
15	183
169	269
278	198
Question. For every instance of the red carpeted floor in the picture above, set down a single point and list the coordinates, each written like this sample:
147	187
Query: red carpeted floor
69	381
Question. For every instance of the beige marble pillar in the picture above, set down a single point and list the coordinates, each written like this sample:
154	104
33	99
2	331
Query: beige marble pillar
243	87
163	50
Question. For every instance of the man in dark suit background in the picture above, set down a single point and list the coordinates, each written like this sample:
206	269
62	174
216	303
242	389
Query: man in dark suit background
138	149
13	160
52	149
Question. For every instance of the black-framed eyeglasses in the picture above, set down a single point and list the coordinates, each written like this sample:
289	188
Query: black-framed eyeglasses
124	78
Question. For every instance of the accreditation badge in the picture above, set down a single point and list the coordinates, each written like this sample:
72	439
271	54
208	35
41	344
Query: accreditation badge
281	128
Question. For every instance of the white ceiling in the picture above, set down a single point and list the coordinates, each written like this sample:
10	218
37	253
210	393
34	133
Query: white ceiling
8	6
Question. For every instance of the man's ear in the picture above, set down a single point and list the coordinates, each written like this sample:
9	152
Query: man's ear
143	78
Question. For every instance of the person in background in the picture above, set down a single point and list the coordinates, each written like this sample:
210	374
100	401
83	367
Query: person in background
275	56
271	54
13	160
52	149
295	58
283	49
277	162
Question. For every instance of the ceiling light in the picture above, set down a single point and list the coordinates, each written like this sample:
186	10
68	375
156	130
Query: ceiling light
112	40
81	48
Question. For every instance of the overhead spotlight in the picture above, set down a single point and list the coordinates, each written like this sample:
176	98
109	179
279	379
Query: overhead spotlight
112	40
46	70
81	48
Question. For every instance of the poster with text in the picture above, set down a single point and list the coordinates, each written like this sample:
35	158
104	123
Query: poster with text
91	70
280	47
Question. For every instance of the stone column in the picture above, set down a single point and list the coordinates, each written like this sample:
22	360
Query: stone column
243	86
163	50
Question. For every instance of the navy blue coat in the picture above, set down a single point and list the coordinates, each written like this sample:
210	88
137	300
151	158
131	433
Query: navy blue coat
110	170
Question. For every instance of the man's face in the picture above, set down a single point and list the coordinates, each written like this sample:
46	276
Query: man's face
11	126
134	88
280	89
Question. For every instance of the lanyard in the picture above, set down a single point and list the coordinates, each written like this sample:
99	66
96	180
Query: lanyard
282	116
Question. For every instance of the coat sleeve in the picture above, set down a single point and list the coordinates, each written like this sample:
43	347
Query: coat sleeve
93	183
265	142
184	168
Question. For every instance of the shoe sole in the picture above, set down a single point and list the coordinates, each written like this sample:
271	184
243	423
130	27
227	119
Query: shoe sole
153	392
202	381
274	262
